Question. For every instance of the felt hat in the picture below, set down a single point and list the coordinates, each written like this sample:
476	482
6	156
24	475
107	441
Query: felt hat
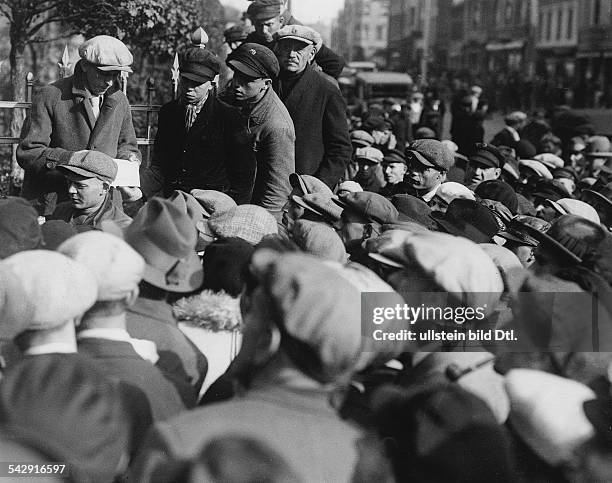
165	237
569	206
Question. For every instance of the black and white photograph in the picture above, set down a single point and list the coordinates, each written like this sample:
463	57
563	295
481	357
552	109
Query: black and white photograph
306	241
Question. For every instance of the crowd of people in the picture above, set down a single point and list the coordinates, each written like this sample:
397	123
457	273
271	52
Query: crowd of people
208	325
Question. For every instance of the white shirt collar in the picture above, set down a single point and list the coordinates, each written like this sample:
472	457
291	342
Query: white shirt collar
514	133
427	197
51	348
144	348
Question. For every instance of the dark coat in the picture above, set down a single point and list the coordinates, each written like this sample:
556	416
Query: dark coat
153	320
263	154
185	160
119	361
109	210
59	124
322	143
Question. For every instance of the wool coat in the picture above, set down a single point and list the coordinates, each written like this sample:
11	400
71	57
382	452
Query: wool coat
60	122
322	143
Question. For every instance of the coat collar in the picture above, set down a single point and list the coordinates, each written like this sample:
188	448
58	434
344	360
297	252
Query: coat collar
302	86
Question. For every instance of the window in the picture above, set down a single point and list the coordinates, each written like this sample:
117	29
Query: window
380	32
596	11
366	31
559	23
549	19
570	23
541	23
476	14
509	11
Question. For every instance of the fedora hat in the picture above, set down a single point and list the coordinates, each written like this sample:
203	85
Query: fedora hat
166	238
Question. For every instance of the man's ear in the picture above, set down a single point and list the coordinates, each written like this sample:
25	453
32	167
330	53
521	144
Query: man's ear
497	172
267	345
131	297
313	53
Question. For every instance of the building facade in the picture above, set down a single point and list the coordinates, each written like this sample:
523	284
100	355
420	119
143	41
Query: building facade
361	31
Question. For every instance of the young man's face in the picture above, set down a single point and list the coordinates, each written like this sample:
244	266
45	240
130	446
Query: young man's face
86	194
424	178
293	55
477	173
246	88
193	91
394	172
98	81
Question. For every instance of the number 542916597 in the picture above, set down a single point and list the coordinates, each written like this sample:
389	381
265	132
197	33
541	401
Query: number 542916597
25	469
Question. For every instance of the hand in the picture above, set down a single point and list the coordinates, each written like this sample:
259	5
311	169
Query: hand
133	157
130	193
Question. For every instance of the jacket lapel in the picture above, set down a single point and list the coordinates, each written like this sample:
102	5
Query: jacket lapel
89	115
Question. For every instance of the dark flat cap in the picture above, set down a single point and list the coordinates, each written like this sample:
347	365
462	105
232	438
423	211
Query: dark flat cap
498	190
469	219
489	156
199	65
431	152
91	164
264	9
254	60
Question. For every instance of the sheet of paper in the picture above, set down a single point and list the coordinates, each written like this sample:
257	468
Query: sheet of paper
127	173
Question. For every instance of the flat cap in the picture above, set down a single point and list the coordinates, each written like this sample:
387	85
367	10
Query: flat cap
306	183
550	160
199	65
249	222
489	156
91	164
118	268
320	204
254	60
235	33
300	32
370	154
361	138
394	156
431	153
213	201
107	53
372	206
598	146
536	166
515	117
264	9
51	287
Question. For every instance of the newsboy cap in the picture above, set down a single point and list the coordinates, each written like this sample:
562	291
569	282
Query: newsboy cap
372	206
431	153
51	288
106	53
235	33
488	156
370	154
299	32
91	164
199	65
254	60
264	9
361	138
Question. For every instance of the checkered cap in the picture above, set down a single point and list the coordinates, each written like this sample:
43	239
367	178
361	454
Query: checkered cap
249	222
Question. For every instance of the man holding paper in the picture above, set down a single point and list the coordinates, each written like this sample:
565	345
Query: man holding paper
84	111
90	175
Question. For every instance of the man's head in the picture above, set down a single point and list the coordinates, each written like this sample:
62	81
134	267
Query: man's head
89	174
394	167
485	164
296	47
368	158
198	69
234	36
598	151
428	162
266	17
254	66
103	59
516	119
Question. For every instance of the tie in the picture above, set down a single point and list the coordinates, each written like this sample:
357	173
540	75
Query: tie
95	106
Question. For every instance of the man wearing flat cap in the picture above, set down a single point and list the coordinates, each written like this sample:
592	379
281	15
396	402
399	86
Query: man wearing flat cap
322	145
428	163
486	164
84	111
264	141
89	175
394	166
269	16
190	145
